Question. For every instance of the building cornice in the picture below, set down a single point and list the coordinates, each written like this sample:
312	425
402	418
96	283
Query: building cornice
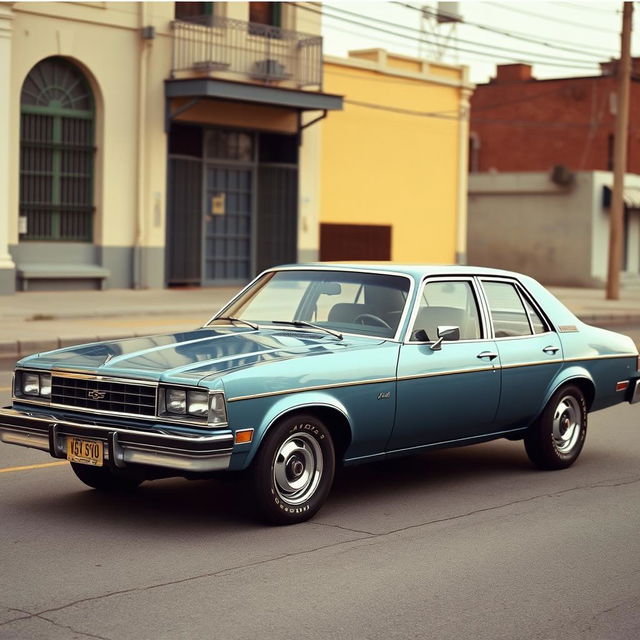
424	76
6	16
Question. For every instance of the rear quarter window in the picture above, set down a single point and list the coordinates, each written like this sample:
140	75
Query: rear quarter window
509	317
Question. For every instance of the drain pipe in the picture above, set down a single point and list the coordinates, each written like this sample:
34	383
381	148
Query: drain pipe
139	271
463	170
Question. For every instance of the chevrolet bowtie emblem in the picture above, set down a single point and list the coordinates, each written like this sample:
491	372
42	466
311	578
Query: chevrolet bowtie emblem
94	394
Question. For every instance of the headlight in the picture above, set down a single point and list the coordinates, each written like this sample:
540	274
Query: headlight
176	401
33	385
193	405
45	385
198	403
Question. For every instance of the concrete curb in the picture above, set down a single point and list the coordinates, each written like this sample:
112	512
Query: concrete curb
25	347
610	319
22	348
205	310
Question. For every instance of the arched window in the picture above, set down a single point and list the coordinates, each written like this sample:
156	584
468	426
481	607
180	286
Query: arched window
56	153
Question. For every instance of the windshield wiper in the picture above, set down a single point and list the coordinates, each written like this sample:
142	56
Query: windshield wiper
303	323
232	319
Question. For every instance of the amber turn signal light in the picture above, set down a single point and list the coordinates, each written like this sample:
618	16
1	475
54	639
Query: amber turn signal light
244	436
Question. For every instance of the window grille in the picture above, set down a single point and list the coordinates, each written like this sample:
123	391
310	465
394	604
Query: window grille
56	153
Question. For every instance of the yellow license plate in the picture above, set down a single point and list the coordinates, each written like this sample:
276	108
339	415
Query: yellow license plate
85	451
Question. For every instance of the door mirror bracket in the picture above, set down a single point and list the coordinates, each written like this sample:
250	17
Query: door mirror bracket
445	333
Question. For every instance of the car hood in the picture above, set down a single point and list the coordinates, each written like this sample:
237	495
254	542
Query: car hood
191	356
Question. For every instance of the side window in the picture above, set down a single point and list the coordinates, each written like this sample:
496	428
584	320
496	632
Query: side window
538	324
507	312
449	303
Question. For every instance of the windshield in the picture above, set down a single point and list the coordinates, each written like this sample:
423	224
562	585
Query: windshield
350	302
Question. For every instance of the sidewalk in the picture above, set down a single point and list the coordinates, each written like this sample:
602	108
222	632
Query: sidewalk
39	321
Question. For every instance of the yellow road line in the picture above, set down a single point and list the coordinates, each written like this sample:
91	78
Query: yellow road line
34	466
5	388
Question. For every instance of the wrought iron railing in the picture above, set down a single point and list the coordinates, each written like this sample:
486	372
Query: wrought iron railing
260	53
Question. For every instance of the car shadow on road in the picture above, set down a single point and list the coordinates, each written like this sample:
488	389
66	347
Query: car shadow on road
178	505
433	471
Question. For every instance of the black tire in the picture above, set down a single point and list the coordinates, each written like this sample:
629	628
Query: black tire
293	471
104	479
556	439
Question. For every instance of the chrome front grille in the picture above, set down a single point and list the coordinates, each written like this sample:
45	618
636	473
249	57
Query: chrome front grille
111	396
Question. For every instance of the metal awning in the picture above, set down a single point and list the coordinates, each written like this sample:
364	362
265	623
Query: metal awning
630	196
256	94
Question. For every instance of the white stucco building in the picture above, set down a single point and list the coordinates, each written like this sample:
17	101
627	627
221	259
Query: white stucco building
557	233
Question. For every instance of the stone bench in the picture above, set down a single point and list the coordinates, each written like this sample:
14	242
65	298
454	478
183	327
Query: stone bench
45	271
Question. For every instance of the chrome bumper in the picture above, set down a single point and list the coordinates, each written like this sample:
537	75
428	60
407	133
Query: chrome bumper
634	395
122	446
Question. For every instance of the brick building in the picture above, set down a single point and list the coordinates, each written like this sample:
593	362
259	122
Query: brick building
541	156
519	123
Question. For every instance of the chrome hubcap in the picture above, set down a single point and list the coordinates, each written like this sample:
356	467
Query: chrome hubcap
567	424
297	468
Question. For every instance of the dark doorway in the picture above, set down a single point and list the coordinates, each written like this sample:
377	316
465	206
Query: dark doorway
232	205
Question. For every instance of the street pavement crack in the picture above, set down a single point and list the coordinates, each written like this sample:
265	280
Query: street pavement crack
589	626
211	574
459	516
66	626
30	616
337	526
514	502
367	535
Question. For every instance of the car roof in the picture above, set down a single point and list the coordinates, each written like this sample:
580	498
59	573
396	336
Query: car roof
417	271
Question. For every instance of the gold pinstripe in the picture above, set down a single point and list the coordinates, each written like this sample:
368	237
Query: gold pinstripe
452	372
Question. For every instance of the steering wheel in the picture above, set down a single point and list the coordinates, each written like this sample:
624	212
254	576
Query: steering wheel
379	322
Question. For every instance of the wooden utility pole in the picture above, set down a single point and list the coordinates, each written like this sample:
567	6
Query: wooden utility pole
616	211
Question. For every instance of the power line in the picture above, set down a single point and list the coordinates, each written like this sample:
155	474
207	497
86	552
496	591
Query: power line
517	35
501	121
420	33
560	63
552	18
401	110
582	7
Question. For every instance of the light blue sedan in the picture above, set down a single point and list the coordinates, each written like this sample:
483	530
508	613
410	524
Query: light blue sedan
314	365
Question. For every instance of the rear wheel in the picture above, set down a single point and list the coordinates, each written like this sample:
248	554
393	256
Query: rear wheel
293	470
104	479
556	439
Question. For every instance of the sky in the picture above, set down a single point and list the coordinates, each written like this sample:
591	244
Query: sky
573	36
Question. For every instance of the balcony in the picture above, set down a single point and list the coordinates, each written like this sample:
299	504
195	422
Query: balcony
230	49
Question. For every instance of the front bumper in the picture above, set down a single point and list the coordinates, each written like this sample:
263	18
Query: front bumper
634	392
122	446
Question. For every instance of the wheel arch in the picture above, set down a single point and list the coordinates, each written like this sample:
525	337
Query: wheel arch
578	376
327	409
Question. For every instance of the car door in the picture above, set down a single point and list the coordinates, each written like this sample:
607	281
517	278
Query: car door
529	348
452	392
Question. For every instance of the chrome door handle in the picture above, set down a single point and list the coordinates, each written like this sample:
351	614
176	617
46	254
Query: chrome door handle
487	354
551	349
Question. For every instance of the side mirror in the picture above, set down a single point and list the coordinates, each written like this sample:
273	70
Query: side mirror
445	333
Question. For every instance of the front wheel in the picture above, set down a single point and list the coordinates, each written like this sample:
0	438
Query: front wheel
104	479
293	470
556	439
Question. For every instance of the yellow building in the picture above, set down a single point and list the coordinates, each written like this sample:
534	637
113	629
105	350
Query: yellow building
157	143
394	161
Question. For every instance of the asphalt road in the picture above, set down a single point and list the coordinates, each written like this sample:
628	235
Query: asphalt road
464	543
